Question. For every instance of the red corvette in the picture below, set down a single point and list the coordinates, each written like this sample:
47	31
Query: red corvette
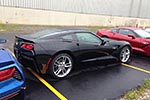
138	38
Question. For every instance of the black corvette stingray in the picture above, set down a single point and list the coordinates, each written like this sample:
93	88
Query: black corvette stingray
56	51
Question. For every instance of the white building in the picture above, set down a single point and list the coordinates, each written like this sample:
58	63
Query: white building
76	12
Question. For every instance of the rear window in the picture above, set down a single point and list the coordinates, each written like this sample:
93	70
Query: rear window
44	33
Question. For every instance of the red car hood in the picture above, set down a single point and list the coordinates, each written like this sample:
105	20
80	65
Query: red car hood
146	40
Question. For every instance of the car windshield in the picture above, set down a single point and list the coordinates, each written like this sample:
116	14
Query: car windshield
147	30
44	33
142	33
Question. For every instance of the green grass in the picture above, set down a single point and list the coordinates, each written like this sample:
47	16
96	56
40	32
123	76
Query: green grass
9	27
95	28
29	28
136	93
147	99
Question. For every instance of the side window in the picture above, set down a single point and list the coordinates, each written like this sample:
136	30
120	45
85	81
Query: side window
125	32
114	30
88	38
67	37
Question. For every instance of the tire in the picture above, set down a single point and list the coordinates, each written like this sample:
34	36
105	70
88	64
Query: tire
125	54
61	65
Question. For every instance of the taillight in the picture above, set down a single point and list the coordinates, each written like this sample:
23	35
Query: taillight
7	73
27	46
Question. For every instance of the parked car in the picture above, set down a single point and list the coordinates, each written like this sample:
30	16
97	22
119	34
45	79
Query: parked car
12	81
147	30
138	38
56	51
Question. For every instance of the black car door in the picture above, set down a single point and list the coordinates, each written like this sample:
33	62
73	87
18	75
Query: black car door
91	48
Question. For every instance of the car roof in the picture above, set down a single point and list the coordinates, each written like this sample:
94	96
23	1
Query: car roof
54	32
6	56
130	28
66	29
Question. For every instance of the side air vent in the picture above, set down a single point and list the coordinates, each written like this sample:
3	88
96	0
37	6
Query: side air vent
17	75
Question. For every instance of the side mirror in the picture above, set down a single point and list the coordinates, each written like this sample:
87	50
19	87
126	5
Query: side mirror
3	40
132	36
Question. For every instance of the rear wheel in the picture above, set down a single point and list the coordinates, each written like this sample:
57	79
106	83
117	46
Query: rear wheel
61	65
125	54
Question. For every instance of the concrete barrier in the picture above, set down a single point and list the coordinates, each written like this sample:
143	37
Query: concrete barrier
14	15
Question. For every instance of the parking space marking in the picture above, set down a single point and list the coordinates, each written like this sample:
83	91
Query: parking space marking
58	94
133	67
50	87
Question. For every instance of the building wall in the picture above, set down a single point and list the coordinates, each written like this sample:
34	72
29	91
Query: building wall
123	8
15	15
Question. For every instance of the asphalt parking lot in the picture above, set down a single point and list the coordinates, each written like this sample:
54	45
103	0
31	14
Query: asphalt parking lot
92	83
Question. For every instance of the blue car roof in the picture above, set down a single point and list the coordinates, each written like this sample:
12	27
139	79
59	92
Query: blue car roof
5	56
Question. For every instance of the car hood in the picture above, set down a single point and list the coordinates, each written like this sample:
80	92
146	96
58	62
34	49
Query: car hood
146	40
4	56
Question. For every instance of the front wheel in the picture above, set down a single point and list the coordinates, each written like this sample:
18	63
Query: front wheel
125	54
61	65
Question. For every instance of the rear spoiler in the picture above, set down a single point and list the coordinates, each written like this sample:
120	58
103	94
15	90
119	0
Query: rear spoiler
24	39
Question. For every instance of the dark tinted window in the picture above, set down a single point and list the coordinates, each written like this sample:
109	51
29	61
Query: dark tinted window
126	32
114	30
68	37
44	33
88	38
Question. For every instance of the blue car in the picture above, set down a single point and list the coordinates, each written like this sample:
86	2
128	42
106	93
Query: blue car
12	80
